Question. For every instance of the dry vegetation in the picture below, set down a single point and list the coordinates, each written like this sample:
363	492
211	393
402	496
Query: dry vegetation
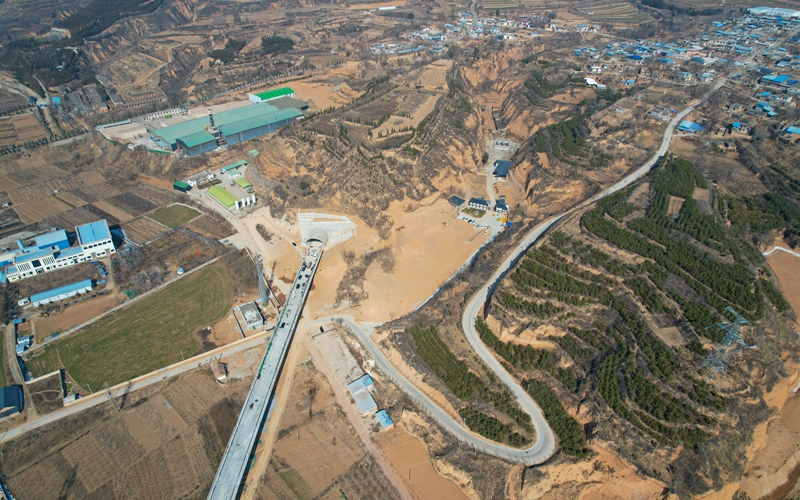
165	443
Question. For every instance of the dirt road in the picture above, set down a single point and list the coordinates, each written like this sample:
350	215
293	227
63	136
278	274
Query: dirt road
323	362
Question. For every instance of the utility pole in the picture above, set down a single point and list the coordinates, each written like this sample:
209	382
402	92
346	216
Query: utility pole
110	397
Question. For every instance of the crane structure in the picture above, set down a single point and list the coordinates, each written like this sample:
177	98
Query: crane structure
216	132
732	343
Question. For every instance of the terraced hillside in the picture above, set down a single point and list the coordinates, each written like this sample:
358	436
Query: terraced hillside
618	308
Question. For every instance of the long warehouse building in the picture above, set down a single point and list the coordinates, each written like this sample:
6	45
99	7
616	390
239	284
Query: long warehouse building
194	137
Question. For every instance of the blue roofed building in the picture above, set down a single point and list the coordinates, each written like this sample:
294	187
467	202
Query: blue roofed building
11	400
385	420
52	251
53	239
690	127
61	293
359	389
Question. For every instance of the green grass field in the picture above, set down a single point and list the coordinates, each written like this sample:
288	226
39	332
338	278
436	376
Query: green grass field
146	336
297	484
175	215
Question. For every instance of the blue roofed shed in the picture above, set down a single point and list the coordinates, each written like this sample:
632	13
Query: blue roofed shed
359	389
61	293
11	400
690	127
53	239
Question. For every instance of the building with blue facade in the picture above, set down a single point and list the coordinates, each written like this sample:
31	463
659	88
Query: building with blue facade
52	251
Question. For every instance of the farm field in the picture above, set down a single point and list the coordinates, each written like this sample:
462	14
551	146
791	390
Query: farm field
175	215
143	230
21	129
39	210
410	459
211	226
498	4
617	12
317	454
47	395
165	443
148	335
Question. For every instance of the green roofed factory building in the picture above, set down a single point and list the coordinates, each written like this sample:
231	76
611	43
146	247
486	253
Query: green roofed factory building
223	196
271	94
196	136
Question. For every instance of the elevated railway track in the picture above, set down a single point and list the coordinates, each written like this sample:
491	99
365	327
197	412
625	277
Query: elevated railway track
231	472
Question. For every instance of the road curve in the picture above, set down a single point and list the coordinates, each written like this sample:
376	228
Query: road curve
440	416
545	445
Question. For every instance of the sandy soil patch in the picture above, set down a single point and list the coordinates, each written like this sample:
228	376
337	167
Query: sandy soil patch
74	315
319	95
410	460
423	246
155	182
225	331
787	269
544	160
671	336
674	206
424	249
641	196
573	97
607	477
703	197
537	338
432	76
400	122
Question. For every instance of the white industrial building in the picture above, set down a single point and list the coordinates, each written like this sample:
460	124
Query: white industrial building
61	293
94	241
201	177
774	12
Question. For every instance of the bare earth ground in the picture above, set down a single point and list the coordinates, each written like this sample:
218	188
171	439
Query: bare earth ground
75	315
787	269
417	242
604	477
410	459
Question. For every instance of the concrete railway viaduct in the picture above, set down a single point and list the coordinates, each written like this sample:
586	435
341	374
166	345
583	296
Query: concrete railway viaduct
233	466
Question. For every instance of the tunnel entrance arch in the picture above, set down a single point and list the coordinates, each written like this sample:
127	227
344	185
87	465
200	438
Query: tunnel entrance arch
317	235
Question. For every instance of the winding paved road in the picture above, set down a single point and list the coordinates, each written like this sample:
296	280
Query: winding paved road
545	444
